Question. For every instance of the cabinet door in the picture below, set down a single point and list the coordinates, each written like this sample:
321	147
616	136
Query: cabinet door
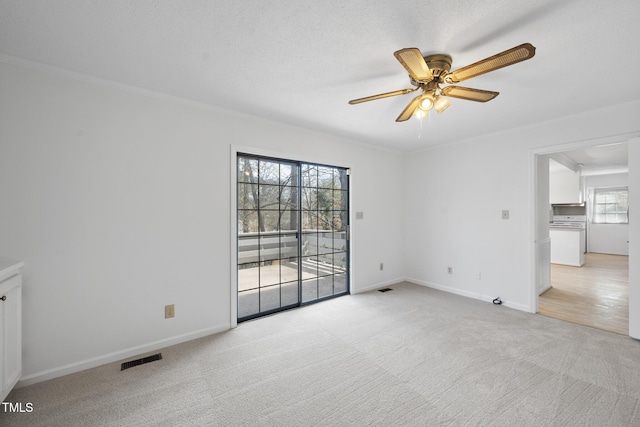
564	187
11	334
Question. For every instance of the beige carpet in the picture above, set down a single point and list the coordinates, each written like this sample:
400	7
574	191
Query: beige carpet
410	357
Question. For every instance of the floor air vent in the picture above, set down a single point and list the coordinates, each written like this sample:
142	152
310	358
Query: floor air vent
132	363
385	290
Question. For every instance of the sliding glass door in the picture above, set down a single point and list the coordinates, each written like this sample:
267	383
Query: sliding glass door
292	234
324	231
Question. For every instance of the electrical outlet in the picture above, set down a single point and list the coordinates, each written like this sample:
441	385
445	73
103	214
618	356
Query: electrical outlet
169	311
381	266
449	270
478	276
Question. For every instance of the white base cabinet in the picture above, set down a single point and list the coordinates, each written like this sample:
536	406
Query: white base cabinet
10	325
567	246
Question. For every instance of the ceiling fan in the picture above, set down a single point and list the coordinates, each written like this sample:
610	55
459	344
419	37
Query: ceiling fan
429	72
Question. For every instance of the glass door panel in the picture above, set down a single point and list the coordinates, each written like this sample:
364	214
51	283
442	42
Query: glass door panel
292	234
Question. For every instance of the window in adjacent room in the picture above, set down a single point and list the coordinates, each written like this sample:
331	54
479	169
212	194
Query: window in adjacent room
611	205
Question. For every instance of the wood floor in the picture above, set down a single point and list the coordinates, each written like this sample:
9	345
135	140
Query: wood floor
596	294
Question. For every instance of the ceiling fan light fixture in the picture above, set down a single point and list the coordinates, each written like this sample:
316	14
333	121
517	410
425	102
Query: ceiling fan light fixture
426	73
420	113
441	104
427	102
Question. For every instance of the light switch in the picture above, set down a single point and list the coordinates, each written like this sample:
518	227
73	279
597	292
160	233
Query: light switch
360	215
505	214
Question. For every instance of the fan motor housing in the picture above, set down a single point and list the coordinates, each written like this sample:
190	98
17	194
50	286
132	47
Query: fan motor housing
438	61
439	64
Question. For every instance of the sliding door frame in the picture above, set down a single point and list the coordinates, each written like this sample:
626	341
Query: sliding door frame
252	151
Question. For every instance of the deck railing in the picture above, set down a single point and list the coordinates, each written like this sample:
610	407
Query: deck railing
326	247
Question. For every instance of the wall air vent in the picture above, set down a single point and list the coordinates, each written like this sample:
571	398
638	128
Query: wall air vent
132	363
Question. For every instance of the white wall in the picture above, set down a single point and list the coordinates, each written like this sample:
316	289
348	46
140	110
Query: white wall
607	238
118	202
454	219
542	245
634	238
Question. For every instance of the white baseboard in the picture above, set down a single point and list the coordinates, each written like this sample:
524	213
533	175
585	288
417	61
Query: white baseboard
117	355
545	289
461	292
377	286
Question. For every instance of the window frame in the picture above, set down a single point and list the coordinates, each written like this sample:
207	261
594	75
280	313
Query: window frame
604	217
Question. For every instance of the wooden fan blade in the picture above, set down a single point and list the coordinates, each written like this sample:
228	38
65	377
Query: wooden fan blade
409	109
413	61
382	95
508	57
468	93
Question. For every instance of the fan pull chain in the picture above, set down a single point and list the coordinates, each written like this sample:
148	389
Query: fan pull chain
420	118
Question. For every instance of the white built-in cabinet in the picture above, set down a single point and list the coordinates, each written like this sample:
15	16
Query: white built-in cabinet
10	325
564	185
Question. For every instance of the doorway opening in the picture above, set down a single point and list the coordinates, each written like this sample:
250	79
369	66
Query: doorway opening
292	234
582	278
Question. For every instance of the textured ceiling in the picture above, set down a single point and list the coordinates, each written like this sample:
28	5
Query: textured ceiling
299	62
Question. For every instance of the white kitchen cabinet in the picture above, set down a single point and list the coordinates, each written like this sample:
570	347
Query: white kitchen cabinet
10	325
564	185
567	246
